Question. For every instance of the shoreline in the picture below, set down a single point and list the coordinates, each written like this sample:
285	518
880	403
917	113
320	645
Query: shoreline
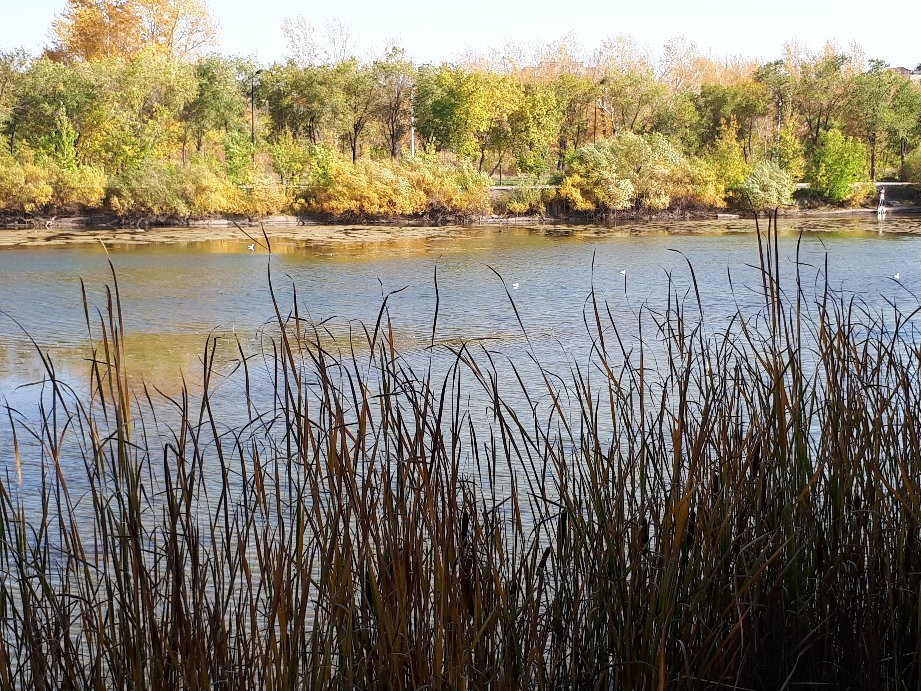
74	230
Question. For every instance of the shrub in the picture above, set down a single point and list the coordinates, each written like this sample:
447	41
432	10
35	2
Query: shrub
911	169
625	170
705	184
526	200
24	186
260	195
166	189
76	186
838	163
789	152
593	180
767	186
392	188
655	167
453	188
727	167
205	188
150	187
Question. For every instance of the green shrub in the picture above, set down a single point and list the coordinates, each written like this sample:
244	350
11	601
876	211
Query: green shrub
838	163
594	180
725	168
911	169
628	169
767	186
167	189
526	200
147	188
789	152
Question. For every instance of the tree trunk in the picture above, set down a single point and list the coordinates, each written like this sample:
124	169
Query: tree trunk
873	158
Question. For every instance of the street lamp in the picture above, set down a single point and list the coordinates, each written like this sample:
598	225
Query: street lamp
252	112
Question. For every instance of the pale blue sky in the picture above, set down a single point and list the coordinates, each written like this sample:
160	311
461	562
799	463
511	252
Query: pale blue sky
434	31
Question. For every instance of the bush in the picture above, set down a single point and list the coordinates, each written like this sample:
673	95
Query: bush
165	189
838	164
452	188
911	169
205	189
727	168
24	186
789	152
147	188
77	186
625	170
705	184
593	180
339	187
767	186
526	200
261	195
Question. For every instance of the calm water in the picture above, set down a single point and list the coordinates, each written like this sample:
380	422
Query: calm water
174	295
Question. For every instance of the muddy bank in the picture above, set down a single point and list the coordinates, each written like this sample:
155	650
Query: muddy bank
50	227
329	235
289	236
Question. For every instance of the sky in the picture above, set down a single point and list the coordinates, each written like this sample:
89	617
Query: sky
433	31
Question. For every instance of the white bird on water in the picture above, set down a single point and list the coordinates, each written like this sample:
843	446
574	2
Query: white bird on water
514	286
898	276
251	248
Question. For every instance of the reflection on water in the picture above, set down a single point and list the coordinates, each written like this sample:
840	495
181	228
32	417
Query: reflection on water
177	294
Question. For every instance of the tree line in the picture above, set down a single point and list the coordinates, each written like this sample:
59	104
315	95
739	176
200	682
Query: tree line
129	109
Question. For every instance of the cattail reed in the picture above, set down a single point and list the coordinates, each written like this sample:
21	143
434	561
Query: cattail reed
743	513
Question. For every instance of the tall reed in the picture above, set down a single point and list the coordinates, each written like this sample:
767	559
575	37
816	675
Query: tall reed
701	506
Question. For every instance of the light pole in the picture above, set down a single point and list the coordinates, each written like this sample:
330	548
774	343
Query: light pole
252	113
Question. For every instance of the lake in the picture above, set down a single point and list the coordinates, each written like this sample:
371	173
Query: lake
175	294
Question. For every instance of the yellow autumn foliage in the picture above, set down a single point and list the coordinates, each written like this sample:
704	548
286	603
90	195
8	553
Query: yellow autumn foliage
389	188
76	187
24	186
167	189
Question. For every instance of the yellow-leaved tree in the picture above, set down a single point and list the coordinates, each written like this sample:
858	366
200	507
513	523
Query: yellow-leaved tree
94	29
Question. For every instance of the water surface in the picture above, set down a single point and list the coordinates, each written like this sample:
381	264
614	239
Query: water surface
174	295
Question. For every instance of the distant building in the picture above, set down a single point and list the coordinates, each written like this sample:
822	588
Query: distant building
913	75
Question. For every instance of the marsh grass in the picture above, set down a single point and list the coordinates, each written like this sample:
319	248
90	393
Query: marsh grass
744	513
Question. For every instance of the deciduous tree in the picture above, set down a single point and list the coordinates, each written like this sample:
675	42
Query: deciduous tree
94	29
